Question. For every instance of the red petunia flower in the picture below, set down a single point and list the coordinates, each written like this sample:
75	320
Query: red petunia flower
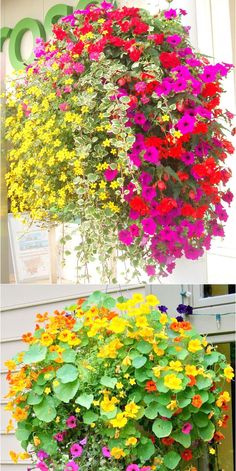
187	455
169	60
137	204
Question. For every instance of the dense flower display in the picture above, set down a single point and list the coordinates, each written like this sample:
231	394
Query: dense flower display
118	124
137	390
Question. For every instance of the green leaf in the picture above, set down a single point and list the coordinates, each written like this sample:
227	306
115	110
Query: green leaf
90	417
172	459
66	392
146	451
144	347
46	411
92	177
182	438
139	361
200	419
203	383
108	381
164	412
204	395
23	433
67	373
47	443
34	398
85	400
207	432
211	358
35	354
109	302
78	325
162	428
182	354
69	356
152	411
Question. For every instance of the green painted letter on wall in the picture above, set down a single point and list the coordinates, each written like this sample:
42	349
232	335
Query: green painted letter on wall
27	24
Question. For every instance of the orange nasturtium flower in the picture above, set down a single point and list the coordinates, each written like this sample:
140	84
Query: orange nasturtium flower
197	401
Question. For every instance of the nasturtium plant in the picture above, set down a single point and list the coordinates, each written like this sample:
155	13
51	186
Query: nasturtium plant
117	127
116	394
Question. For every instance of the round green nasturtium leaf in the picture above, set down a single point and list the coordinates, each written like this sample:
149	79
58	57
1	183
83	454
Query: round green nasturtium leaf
90	417
182	438
67	373
69	356
152	411
146	451
85	400
139	361
108	381
35	354
203	383
33	398
162	428
45	411
109	303
201	420
23	433
172	459
206	433
66	392
144	347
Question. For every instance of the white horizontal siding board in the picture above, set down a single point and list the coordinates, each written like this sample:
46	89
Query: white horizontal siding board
5	417
9	442
208	324
12	467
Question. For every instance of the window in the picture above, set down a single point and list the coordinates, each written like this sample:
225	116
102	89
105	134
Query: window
217	290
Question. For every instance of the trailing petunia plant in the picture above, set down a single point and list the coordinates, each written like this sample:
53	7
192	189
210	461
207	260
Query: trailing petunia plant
117	384
117	126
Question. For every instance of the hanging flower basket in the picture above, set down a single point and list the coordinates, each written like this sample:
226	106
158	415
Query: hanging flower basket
135	391
118	124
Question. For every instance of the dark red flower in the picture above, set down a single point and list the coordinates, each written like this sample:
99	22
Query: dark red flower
59	33
187	455
168	441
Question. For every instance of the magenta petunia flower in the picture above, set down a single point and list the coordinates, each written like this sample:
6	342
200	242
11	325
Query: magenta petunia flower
149	226
140	119
150	270
76	450
169	14
71	466
126	237
110	174
149	193
188	158
186	124
174	40
151	155
106	453
71	422
134	229
42	466
59	437
186	429
133	467
42	455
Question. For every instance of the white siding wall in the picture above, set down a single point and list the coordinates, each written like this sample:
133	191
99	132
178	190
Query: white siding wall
20	304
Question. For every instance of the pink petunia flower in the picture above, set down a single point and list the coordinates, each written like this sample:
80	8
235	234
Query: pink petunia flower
110	174
76	450
71	466
186	429
133	467
126	237
71	422
106	453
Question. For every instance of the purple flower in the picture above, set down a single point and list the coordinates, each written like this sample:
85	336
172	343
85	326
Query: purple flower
84	441
76	450
179	318
59	437
145	178
193	253
186	429
228	197
209	73
188	158
106	453
140	87
107	6
110	174
71	466
140	119
134	158
186	124
125	237
151	155
71	422
180	85
149	193
169	14
150	270
134	229
184	309
149	226
174	40
42	455
133	467
162	308
221	213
